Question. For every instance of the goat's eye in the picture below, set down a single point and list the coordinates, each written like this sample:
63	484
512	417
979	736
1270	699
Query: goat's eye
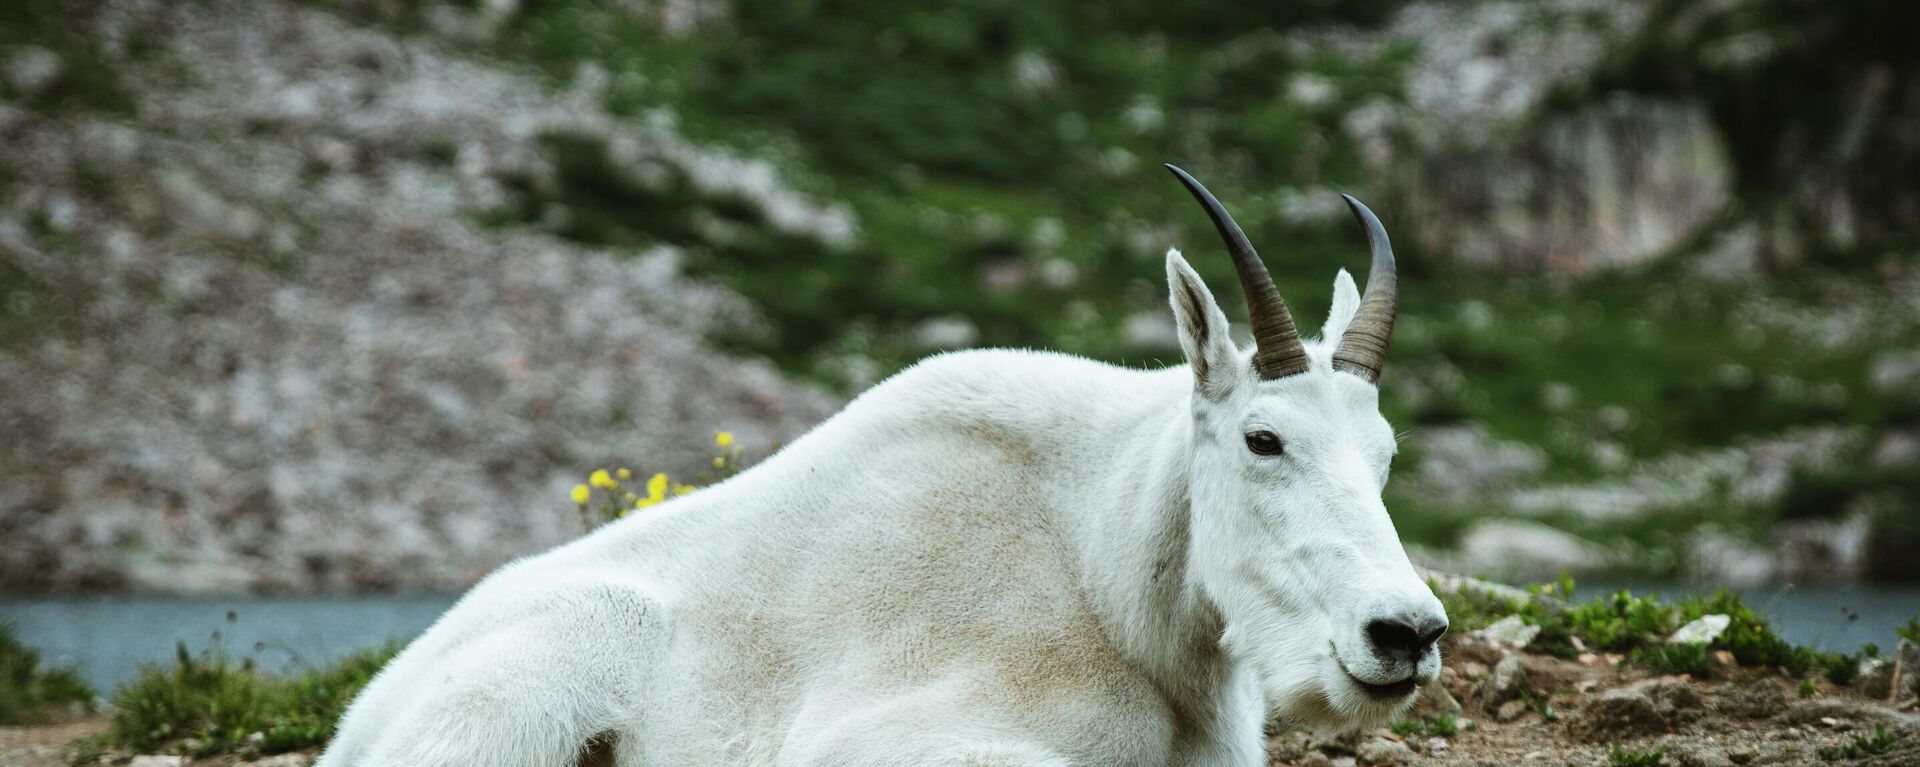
1264	443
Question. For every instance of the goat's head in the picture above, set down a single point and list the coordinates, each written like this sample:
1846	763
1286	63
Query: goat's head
1291	541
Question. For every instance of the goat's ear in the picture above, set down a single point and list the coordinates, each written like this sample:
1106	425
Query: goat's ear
1346	301
1202	328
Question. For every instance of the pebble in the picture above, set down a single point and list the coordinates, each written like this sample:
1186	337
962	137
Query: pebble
152	760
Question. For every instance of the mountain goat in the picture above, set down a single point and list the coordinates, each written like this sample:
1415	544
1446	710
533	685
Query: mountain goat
993	558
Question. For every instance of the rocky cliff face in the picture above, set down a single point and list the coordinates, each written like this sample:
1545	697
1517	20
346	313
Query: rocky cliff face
258	340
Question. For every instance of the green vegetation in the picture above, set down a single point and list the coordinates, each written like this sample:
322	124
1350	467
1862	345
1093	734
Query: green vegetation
211	704
1639	626
1652	757
1878	743
1001	162
29	693
82	77
1444	725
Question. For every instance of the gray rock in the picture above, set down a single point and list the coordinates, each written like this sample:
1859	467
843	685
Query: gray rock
1614	715
1896	371
1381	752
1702	630
309	371
31	68
1504	683
1510	633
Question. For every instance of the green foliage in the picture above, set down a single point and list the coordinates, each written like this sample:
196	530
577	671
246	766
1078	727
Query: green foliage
1638	626
1910	631
1878	743
85	80
211	704
1676	659
1652	757
1001	161
29	693
1444	725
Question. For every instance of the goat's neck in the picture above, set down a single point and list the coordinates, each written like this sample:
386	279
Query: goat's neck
1135	551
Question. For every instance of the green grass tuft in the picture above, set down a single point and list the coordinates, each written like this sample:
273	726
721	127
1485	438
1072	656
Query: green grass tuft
1444	725
1639	625
29	693
1878	743
211	704
1653	757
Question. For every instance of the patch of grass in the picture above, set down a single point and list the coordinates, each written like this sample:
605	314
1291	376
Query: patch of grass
212	704
30	693
1652	757
1692	659
1878	743
1910	631
1444	725
1639	625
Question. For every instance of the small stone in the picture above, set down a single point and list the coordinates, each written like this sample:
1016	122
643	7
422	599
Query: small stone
31	68
1671	696
1505	681
1702	630
1510	632
1906	681
1435	700
1510	710
1384	753
1315	759
151	760
1437	745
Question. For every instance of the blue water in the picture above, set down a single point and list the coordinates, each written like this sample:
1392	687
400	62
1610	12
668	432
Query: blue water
106	639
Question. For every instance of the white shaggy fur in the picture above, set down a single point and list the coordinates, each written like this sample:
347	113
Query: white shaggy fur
993	558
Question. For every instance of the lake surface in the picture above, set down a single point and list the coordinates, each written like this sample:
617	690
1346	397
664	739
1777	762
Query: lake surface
106	639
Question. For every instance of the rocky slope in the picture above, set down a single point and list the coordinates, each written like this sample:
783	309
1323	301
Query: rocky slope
258	340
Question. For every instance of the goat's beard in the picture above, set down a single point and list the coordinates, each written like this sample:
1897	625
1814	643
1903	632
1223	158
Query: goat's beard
1304	685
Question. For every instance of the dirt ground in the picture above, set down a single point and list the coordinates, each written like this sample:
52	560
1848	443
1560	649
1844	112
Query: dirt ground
1508	708
1514	708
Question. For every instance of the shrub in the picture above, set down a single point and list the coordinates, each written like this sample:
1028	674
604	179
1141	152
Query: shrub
29	693
211	704
1639	626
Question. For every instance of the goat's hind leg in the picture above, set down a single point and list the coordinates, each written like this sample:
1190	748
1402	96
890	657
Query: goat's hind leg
531	695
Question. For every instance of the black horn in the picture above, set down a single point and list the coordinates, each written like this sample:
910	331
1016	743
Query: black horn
1363	348
1277	348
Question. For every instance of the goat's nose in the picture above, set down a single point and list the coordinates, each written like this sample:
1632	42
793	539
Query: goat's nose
1405	639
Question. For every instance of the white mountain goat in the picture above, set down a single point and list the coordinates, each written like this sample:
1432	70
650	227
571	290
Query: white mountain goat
993	558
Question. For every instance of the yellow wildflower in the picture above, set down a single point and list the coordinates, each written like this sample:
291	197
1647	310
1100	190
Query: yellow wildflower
719	462
657	488
581	494
624	473
723	438
682	489
602	479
